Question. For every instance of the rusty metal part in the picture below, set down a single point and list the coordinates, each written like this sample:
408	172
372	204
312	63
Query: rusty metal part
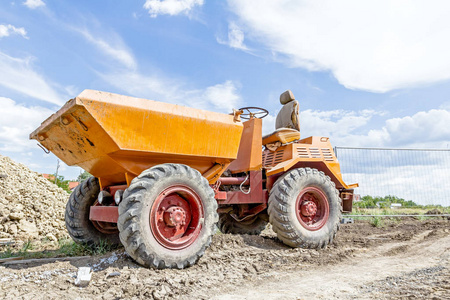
224	210
308	208
114	188
251	112
233	180
102	213
43	148
258	194
347	199
176	217
312	208
247	214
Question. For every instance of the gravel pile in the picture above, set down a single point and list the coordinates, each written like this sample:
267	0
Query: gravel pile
31	207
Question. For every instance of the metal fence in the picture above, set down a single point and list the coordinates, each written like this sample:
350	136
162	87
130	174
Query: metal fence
420	175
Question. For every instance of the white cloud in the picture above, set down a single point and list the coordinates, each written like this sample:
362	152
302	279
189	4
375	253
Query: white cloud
235	37
141	85
268	124
338	124
7	30
32	4
18	74
14	135
113	48
170	7
15	142
369	45
426	129
423	128
221	97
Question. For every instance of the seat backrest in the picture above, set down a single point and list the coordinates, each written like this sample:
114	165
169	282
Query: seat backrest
288	115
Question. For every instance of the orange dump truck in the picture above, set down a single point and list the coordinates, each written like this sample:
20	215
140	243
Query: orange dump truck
165	175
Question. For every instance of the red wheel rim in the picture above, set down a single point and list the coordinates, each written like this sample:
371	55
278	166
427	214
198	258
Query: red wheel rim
176	217
104	227
312	208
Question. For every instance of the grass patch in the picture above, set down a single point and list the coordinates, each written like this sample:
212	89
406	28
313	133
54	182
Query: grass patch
66	247
377	222
395	211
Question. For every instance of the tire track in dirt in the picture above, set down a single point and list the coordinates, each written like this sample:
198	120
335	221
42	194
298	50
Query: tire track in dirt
356	265
346	280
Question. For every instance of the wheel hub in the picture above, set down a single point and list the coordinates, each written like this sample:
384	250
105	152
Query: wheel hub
175	216
308	209
312	208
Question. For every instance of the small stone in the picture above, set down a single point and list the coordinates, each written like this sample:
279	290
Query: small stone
83	277
51	237
30	230
16	216
12	229
113	274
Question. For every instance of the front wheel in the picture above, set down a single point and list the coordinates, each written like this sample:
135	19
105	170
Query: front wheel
167	217
305	208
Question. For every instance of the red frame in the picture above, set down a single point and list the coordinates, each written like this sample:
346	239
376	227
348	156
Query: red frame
257	195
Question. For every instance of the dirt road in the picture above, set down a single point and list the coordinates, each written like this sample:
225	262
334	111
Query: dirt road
403	260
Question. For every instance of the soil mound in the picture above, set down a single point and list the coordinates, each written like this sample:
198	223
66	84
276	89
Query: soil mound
31	207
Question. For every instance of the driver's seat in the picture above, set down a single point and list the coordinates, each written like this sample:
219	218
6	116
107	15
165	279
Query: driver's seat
287	124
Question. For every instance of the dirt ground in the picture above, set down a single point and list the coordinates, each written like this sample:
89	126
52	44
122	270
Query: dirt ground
408	259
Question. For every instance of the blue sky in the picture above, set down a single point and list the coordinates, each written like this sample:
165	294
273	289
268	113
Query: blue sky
366	73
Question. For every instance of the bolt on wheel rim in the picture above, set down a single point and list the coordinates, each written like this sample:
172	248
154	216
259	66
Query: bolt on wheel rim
176	217
312	208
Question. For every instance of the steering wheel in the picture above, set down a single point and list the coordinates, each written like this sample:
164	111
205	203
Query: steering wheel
253	112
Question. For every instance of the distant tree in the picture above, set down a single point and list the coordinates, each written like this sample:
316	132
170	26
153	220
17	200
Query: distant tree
383	202
83	176
60	181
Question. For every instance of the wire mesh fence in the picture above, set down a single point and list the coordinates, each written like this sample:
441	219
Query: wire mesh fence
419	175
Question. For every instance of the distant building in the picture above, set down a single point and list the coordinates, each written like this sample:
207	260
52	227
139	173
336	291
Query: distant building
49	176
73	185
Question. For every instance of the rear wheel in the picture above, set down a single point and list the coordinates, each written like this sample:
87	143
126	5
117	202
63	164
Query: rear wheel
80	228
167	217
305	208
254	226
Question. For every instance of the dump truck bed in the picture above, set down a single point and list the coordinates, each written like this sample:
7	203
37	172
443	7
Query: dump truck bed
111	135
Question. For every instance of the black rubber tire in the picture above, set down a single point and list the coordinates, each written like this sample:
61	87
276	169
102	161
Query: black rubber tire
254	226
282	210
134	211
80	228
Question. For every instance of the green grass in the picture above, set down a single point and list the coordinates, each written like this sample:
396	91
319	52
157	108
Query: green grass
377	222
395	211
66	247
381	221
